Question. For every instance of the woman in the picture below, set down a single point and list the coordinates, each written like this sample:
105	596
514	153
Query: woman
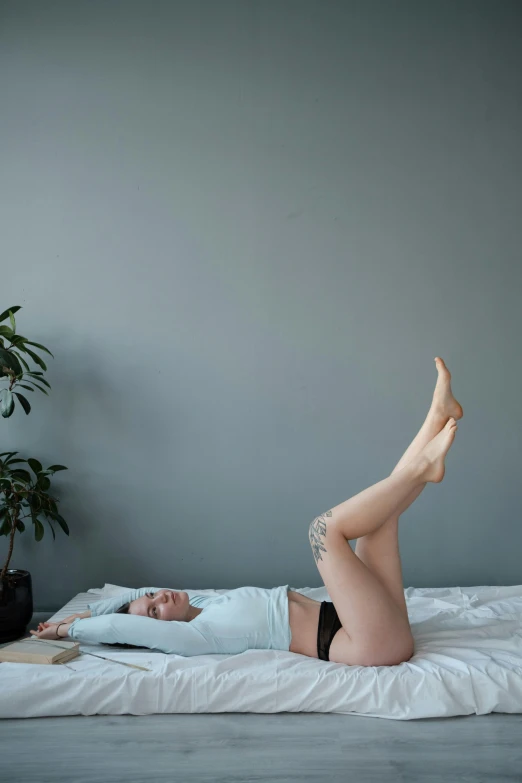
366	623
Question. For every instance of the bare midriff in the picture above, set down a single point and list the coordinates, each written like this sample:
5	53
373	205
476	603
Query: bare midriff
303	615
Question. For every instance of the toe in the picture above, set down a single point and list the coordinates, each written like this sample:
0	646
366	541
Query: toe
441	366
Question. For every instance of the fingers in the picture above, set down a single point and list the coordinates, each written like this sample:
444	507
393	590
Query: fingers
41	626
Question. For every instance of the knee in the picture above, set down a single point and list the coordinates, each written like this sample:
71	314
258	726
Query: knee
319	526
317	533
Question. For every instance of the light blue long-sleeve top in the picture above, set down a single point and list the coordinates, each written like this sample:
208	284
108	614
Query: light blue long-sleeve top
238	620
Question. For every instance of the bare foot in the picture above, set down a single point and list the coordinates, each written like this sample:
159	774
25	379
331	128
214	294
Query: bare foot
431	458
444	403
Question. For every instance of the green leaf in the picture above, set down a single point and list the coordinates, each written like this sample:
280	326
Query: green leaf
40	379
22	360
20	525
63	524
8	454
7	332
22	475
10	360
6	527
7	312
55	468
24	402
25	386
44	483
15	363
36	372
12	319
34	502
38	530
40	388
7	403
41	347
35	466
36	358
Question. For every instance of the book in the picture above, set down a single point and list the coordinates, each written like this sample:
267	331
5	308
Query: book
33	650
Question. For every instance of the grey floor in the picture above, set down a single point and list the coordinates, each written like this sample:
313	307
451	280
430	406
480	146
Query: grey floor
281	747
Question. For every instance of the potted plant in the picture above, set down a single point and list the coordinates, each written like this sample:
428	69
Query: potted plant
24	484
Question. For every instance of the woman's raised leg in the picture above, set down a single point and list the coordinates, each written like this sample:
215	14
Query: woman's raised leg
379	550
376	633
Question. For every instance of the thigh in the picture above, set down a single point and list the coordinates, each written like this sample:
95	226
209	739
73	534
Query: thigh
375	631
379	551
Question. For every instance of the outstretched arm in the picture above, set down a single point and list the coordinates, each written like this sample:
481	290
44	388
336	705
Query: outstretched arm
105	606
108	606
111	605
168	636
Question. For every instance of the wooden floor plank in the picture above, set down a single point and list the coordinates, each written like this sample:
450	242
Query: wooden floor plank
281	747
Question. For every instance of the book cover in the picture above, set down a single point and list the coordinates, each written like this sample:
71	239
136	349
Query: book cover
33	650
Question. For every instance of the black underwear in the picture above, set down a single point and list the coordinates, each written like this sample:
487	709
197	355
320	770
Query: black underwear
329	624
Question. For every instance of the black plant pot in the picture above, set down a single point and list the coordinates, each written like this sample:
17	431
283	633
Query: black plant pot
16	604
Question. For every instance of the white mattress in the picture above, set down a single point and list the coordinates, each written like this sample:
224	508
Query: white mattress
468	659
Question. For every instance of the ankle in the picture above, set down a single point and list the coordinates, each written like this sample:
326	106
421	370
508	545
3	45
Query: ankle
419	466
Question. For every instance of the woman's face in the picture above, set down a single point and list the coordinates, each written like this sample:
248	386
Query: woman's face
162	605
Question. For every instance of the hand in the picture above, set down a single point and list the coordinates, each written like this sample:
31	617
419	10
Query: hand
43	626
47	633
81	615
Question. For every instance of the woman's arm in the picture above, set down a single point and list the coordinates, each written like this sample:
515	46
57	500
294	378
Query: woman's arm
111	605
80	615
69	619
62	629
168	636
53	630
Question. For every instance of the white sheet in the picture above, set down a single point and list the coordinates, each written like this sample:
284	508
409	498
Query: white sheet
468	659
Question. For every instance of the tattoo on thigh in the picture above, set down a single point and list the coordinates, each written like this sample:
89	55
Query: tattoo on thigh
316	534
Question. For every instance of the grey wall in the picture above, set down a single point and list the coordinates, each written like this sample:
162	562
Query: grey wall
245	229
